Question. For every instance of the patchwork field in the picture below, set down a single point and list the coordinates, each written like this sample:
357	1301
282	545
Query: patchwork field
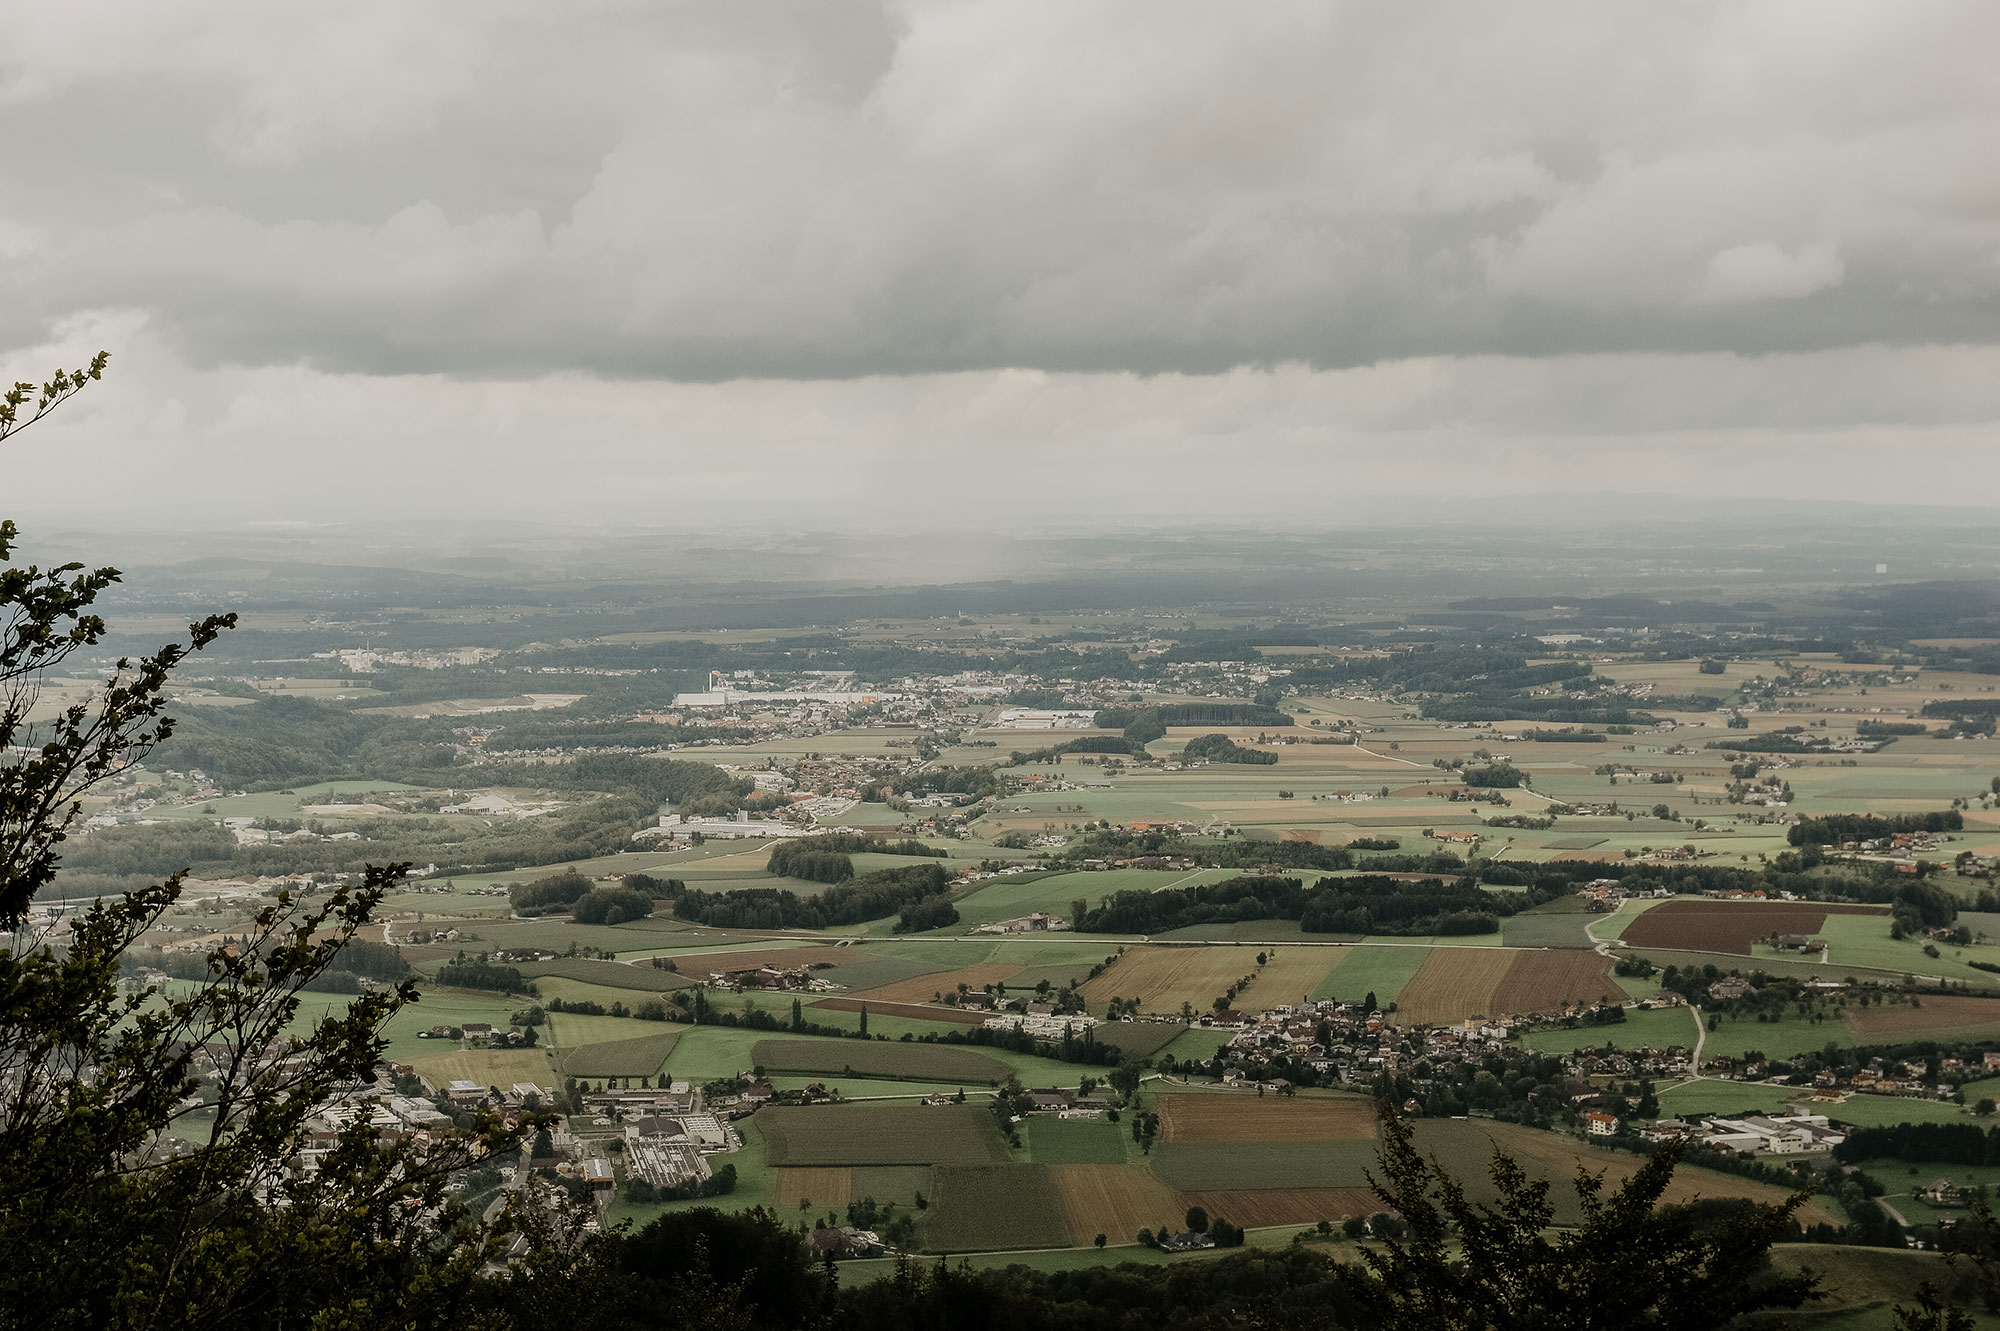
1456	983
985	1207
1378	970
640	1056
1453	983
875	1058
878	1134
1197	1116
922	988
1730	926
1163	978
1116	1201
1541	981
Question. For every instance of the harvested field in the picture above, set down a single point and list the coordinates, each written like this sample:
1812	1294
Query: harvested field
1544	981
640	1056
832	1186
880	1134
1163	978
918	1011
1197	1116
1453	983
700	965
923	987
1939	1016
1116	1201
1285	1206
984	1207
488	1067
1730	926
876	1058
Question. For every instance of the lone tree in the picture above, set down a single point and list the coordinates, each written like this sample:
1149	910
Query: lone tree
149	1144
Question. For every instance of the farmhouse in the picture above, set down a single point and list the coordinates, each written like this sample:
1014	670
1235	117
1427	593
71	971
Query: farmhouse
1027	924
1731	986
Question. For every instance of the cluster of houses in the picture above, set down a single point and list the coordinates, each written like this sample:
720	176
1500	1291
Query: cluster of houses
1042	1021
769	977
1035	923
1343	1039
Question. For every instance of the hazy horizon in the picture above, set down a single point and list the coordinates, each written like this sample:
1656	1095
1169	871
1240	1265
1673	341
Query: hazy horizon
835	265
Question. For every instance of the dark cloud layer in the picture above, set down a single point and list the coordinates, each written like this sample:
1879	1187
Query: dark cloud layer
819	189
1002	258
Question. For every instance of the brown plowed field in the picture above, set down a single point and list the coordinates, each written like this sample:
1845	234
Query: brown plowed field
1730	926
1453	983
1197	1116
1163	978
821	1187
1939	1016
1544	981
920	989
1116	1201
923	1012
1285	1206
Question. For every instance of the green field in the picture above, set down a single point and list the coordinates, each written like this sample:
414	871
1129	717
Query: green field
1137	1039
991	1207
638	1057
608	974
877	1058
1659	1029
1381	970
1074	1141
882	1134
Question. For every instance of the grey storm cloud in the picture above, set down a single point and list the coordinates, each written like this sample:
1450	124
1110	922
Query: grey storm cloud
823	190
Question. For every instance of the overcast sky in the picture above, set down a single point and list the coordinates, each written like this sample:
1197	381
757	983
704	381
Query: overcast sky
1013	261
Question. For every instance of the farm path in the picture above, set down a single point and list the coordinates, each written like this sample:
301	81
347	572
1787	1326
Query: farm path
1390	756
1700	1037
